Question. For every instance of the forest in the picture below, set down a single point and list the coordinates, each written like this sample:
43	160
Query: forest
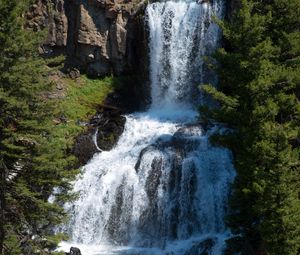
257	104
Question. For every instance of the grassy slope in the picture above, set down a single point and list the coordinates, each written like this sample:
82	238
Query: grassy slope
79	104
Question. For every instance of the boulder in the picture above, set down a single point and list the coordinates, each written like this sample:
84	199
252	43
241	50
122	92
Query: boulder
201	248
110	128
85	147
74	251
104	130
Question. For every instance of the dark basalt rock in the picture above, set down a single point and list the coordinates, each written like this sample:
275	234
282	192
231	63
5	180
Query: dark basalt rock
182	140
84	146
201	248
153	179
204	1
142	153
110	124
107	125
123	201
74	251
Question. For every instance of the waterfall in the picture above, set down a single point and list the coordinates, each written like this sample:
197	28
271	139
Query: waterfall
163	189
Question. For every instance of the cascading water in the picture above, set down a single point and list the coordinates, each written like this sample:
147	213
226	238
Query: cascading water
163	189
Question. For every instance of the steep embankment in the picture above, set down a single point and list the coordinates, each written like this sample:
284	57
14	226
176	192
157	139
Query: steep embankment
97	38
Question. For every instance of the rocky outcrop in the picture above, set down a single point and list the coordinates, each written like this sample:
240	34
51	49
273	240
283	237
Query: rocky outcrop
110	124
85	146
99	37
104	130
202	248
74	251
50	15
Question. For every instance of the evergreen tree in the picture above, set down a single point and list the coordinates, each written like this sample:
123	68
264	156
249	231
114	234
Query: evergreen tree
259	82
33	160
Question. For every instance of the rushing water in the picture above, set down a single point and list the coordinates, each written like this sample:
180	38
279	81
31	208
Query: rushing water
163	189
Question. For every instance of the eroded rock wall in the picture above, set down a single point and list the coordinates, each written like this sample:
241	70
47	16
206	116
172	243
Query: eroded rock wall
99	37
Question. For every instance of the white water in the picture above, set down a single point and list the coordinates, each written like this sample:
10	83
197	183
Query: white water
163	189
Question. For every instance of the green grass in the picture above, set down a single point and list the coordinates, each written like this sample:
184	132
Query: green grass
80	103
83	97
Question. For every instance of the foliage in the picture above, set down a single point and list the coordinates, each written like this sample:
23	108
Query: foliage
258	99
81	101
35	159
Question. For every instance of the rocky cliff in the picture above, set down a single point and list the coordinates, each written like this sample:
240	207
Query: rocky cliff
100	37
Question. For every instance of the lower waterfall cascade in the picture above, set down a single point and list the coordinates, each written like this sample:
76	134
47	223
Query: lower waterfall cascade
163	189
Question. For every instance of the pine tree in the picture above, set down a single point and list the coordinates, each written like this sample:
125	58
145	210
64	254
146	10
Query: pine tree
257	95
33	161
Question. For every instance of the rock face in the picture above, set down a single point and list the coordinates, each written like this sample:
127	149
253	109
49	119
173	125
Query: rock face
110	125
201	248
85	147
74	251
50	14
100	37
104	130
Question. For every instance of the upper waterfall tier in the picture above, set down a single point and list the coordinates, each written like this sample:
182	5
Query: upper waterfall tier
181	34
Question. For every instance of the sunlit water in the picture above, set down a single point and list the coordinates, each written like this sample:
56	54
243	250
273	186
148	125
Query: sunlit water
163	189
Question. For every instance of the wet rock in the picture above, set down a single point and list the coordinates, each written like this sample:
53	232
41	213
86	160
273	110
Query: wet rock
84	147
201	248
186	135
185	139
104	128
140	7
115	226
205	1
110	125
153	179
74	251
142	153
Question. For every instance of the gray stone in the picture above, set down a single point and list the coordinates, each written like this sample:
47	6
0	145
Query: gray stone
84	147
98	36
74	251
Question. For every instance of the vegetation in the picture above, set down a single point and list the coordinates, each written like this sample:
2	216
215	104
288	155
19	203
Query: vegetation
258	96
80	102
35	159
258	100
